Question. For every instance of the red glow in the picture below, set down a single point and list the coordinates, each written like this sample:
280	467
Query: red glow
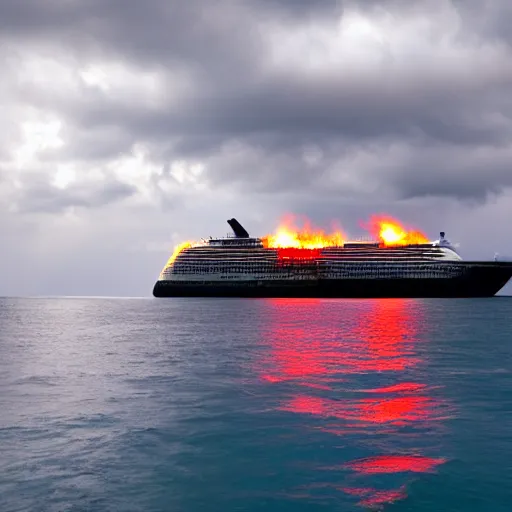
395	411
377	340
404	387
310	347
396	464
291	253
293	362
373	497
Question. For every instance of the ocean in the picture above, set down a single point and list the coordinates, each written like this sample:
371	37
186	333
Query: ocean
249	405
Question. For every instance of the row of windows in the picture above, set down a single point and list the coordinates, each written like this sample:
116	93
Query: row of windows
318	264
245	263
383	270
218	251
190	254
322	255
222	252
392	274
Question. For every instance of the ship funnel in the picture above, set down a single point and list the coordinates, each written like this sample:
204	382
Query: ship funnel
442	234
238	229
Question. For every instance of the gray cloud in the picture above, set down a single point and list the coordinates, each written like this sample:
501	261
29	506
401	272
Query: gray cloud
235	95
42	197
198	35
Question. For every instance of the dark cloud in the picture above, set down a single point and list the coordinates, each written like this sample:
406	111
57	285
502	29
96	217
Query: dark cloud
487	20
280	122
204	36
236	95
455	174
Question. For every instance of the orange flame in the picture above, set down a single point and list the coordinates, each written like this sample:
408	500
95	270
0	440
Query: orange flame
289	236
179	248
306	239
391	232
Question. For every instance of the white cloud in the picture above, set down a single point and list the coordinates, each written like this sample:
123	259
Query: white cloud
36	137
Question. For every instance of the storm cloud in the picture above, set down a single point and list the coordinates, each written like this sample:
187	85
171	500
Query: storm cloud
163	118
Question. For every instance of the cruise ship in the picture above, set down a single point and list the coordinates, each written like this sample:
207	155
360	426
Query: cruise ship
242	266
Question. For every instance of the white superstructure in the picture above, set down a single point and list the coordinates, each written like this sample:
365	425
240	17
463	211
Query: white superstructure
247	259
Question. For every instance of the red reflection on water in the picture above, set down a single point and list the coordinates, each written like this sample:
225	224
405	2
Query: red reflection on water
372	498
396	411
310	346
404	387
395	464
292	361
377	338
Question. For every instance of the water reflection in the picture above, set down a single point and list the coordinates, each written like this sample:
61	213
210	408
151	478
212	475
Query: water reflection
361	376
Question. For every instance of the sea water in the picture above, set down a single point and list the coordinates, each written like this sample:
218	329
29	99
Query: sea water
247	405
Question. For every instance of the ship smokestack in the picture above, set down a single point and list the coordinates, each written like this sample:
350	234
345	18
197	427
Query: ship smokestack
238	229
442	234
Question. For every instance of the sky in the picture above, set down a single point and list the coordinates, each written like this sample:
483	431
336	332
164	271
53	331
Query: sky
130	126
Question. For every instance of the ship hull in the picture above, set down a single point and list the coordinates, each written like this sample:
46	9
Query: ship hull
478	280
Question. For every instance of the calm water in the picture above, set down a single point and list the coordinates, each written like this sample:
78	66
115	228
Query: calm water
275	405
